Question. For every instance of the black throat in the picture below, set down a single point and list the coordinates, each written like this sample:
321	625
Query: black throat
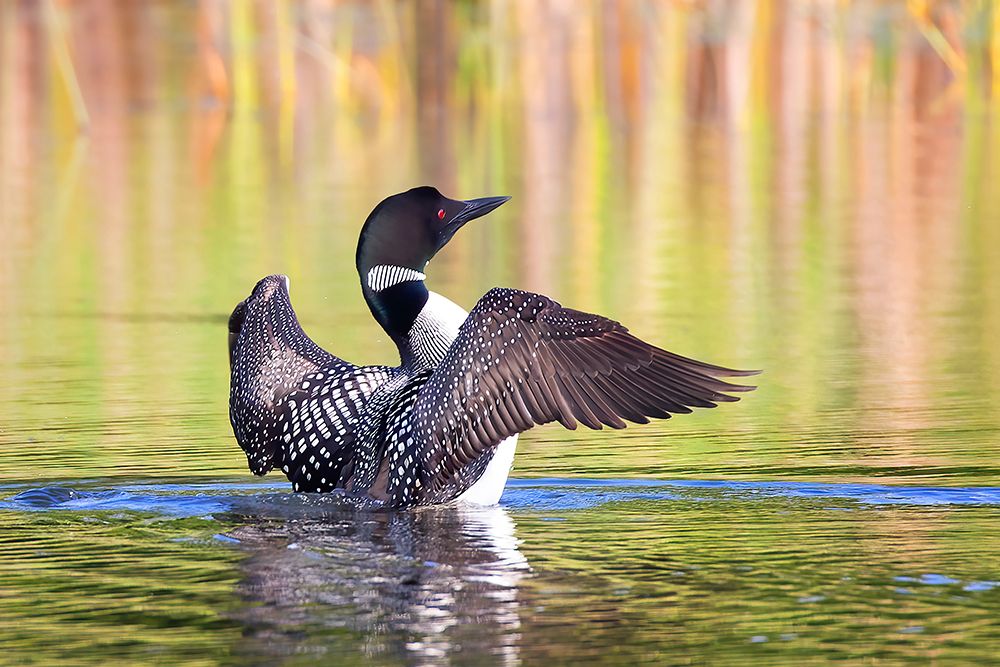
396	308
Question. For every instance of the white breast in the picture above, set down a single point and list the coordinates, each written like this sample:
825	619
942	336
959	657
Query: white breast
435	329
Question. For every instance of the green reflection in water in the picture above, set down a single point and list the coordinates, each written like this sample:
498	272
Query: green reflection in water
89	589
772	581
806	189
712	576
870	300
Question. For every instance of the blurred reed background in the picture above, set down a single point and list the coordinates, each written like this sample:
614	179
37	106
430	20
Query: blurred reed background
803	186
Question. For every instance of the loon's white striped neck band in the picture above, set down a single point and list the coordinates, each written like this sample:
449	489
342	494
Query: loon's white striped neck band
385	276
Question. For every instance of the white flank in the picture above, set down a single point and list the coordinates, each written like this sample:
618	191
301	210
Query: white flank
488	489
433	332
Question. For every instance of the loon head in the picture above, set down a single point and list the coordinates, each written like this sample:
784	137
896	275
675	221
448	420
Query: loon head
399	237
406	230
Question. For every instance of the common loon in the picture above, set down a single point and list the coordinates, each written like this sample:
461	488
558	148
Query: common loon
442	425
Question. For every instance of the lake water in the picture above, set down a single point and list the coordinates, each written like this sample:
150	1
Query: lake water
807	189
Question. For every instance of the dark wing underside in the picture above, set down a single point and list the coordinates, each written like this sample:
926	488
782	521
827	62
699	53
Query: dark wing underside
521	359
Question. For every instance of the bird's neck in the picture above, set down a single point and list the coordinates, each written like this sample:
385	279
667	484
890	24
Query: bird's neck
395	308
432	333
423	324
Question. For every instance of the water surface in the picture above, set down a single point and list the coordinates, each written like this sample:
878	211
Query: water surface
807	189
665	572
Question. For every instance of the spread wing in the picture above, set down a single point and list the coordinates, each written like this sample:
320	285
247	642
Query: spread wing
522	359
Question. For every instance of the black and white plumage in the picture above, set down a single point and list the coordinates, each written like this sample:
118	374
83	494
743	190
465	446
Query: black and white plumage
291	401
443	424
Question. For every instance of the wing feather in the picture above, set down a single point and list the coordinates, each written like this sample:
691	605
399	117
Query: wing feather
522	359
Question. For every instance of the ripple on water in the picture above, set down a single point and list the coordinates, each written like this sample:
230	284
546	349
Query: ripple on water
521	494
681	566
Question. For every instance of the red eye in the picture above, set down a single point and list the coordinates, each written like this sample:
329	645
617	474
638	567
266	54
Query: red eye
441	214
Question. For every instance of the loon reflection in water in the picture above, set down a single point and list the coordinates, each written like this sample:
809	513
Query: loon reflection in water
409	582
443	424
